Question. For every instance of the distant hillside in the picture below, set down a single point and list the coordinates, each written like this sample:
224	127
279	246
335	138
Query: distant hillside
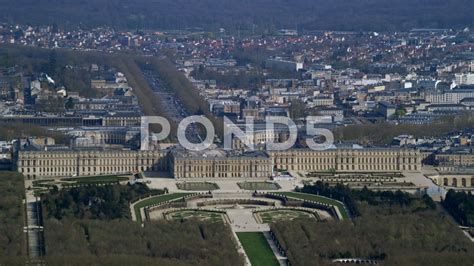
243	15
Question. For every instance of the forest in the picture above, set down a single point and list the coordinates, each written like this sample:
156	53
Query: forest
409	234
122	242
461	206
260	16
92	225
352	197
11	218
95	202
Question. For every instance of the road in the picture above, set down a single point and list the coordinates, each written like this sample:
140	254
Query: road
172	106
34	228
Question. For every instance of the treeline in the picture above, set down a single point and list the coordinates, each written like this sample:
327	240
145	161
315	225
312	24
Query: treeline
119	242
262	16
241	79
12	241
394	234
19	130
461	206
383	133
150	104
252	79
352	197
95	202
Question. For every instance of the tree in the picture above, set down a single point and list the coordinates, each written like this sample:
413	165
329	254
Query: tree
297	109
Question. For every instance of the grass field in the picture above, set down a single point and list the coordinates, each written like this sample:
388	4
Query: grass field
316	198
283	215
155	200
258	186
196	214
257	249
197	186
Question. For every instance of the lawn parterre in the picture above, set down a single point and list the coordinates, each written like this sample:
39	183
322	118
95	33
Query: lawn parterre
271	216
196	214
155	200
258	186
257	249
316	198
97	179
197	186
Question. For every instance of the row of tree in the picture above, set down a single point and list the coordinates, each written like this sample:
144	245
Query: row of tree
11	218
175	81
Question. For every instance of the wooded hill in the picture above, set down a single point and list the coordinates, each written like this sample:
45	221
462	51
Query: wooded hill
243	15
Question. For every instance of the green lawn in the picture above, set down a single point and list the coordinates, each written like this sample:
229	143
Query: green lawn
257	249
155	200
316	198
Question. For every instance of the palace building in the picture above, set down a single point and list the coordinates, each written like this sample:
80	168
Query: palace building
64	163
212	163
348	160
217	163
